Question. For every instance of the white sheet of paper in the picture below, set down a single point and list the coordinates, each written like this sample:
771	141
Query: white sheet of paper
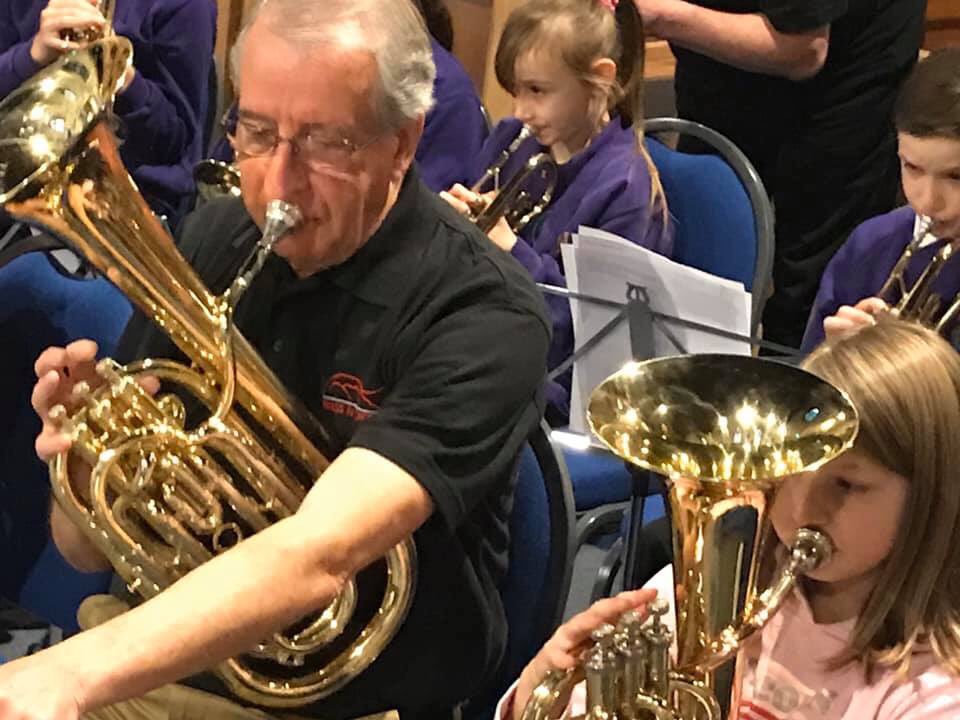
602	265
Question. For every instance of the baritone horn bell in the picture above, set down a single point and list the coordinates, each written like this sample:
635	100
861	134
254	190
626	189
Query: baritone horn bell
724	431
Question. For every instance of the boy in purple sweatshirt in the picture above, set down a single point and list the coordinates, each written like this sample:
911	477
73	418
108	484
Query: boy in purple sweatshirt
163	104
928	132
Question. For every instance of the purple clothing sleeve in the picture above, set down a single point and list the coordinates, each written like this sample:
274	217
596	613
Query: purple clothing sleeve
606	186
163	110
859	268
165	107
455	127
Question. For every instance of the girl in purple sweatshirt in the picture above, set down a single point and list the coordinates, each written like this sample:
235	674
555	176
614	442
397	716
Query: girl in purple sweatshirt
575	70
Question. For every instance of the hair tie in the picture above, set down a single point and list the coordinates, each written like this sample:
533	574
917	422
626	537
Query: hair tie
610	5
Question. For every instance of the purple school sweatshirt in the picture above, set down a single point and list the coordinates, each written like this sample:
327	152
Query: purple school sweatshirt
163	110
861	266
606	186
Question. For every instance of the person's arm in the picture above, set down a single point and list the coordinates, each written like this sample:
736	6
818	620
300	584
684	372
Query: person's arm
361	506
163	105
748	41
22	54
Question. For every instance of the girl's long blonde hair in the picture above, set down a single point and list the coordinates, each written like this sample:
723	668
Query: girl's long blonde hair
905	381
582	32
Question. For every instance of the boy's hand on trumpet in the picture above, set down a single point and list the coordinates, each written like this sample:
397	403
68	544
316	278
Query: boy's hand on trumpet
850	318
57	19
470	204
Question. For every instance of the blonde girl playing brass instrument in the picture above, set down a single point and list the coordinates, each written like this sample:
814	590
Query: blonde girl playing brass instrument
875	631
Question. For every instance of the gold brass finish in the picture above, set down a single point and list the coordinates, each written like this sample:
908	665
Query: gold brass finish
165	493
85	35
919	302
724	431
216	178
515	201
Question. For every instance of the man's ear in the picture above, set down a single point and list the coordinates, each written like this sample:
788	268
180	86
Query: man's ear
408	137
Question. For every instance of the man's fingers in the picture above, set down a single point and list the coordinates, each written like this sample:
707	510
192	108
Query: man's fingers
44	393
150	383
53	358
51	442
81	351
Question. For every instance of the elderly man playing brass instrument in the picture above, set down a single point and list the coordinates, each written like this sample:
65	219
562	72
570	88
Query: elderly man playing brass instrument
418	346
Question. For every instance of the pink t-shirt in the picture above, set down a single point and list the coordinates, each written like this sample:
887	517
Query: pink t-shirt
785	677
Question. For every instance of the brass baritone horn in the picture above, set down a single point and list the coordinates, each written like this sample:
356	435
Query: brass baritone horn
517	201
724	430
920	302
163	498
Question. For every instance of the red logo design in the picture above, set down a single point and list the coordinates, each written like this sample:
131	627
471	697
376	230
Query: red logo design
346	395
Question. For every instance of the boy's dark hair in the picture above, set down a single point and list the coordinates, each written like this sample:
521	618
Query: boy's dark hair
929	101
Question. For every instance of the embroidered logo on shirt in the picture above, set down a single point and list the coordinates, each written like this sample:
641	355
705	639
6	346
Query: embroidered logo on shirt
346	395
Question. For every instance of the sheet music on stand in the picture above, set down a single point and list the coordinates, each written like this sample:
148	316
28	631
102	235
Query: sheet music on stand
603	265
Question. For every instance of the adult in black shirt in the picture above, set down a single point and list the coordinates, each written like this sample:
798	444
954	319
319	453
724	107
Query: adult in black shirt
806	89
419	345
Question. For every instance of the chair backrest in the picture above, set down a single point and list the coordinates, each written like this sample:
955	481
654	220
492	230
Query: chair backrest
40	306
537	583
722	213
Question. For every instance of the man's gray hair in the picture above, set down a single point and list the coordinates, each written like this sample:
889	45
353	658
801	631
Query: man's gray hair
392	30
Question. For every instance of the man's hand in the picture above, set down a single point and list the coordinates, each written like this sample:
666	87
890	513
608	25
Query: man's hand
58	17
36	688
58	370
652	11
849	318
562	651
467	203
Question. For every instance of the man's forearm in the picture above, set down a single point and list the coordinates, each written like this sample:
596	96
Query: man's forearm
219	610
73	544
746	41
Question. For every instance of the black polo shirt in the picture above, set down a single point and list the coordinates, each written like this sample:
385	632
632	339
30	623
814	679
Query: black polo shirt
847	105
428	347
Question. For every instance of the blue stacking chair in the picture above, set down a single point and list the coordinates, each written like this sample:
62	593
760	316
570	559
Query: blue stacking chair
41	306
723	225
537	582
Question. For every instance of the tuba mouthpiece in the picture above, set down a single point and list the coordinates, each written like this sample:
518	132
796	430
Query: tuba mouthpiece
281	218
811	549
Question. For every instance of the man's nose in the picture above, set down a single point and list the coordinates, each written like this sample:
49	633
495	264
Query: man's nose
285	175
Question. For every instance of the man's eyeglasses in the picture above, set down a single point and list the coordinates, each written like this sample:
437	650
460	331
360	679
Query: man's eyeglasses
314	147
